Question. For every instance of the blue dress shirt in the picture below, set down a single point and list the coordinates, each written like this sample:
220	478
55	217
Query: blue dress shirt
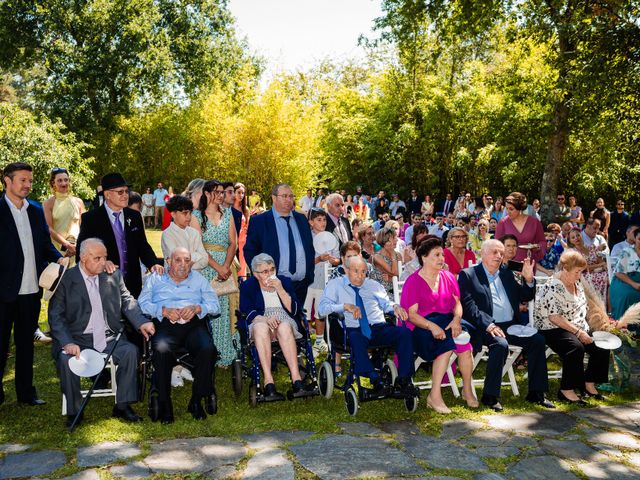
283	246
161	291
502	310
339	291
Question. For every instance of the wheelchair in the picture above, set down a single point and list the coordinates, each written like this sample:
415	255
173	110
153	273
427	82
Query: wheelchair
354	392
146	374
247	362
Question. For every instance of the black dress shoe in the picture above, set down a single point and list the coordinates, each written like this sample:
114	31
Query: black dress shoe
126	413
70	418
580	402
33	402
210	404
491	402
597	396
539	399
271	394
196	410
545	403
165	414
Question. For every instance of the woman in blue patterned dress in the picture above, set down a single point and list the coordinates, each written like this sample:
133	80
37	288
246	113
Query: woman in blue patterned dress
219	237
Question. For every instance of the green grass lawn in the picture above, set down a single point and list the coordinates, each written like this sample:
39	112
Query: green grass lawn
43	427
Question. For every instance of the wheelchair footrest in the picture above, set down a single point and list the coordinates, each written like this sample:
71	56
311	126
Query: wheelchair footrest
308	391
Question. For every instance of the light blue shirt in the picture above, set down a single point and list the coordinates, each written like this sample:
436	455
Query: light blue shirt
283	246
158	196
161	291
339	291
502	310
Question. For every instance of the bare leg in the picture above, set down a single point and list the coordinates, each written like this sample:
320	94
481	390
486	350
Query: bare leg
262	339
465	363
435	399
288	346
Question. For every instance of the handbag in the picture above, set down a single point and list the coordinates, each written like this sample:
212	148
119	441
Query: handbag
228	286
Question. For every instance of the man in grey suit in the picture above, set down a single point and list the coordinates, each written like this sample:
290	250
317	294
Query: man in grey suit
85	312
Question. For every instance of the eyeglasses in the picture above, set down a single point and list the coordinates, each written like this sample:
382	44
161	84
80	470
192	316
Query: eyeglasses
57	170
218	192
456	237
124	191
286	196
266	270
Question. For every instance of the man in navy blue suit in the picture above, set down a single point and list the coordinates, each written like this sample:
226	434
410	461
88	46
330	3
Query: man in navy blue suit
285	235
491	296
27	248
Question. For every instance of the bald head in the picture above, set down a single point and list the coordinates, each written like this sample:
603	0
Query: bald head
492	253
335	204
93	256
356	269
179	264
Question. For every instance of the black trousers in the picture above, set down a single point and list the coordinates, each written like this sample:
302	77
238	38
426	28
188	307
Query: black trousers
571	351
193	337
301	287
21	315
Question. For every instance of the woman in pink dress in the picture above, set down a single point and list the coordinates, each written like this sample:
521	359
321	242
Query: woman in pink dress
527	229
432	297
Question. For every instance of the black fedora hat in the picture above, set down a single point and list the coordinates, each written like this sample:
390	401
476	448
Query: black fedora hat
113	180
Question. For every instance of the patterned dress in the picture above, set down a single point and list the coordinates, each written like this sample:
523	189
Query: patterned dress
598	279
221	328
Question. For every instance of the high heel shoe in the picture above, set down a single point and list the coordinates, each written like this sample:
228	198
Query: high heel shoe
471	402
579	401
443	409
597	395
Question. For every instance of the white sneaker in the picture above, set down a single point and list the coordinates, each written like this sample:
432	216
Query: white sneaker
176	379
185	373
320	347
40	337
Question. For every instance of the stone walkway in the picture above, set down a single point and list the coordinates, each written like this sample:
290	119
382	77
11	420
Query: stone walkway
598	443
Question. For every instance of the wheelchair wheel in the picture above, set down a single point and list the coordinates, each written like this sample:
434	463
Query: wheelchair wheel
236	376
389	372
253	395
326	380
154	405
351	399
411	404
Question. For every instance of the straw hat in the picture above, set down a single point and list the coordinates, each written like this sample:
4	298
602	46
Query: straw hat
51	276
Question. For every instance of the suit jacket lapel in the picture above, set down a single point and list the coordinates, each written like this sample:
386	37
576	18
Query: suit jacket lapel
10	222
271	232
484	281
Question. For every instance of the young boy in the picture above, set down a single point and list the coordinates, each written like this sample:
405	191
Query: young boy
318	223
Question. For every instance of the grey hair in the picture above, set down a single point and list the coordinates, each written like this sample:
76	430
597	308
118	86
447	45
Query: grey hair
348	263
260	259
88	243
330	198
275	188
179	248
487	245
194	186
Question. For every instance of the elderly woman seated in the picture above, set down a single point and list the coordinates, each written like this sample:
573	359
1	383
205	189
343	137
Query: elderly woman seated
269	302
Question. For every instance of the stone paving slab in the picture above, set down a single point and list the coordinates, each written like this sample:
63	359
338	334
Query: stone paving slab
608	470
353	457
634	459
105	453
13	447
131	471
440	454
496	452
549	424
269	464
276	438
196	455
403	427
488	476
541	468
521	442
31	464
360	428
485	438
625	417
84	475
572	450
616	439
455	429
608	449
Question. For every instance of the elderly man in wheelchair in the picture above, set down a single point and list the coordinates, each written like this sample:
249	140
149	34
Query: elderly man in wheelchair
268	312
364	302
180	302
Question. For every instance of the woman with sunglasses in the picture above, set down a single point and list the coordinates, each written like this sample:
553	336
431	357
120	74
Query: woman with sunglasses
219	238
63	212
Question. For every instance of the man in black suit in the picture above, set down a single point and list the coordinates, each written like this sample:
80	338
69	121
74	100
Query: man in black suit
490	297
122	231
414	203
336	223
26	246
288	242
85	312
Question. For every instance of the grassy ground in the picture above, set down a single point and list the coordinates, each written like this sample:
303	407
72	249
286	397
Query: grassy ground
43	427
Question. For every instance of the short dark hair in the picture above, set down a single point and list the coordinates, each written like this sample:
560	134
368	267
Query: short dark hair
226	185
179	203
417	230
10	170
134	198
590	221
508	236
317	212
426	246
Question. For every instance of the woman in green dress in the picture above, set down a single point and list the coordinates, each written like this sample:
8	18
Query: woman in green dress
219	238
625	287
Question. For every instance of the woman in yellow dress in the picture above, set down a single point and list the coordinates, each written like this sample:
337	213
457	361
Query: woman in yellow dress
63	212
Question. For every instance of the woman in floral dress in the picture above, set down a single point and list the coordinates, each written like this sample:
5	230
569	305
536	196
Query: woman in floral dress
596	271
219	239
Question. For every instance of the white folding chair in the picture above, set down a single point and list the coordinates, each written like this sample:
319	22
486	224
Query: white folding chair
451	379
105	392
397	289
514	352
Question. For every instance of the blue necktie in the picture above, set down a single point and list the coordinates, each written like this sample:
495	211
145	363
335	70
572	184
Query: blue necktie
121	242
292	247
364	321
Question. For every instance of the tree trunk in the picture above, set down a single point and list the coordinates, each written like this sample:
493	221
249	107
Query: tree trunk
555	152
